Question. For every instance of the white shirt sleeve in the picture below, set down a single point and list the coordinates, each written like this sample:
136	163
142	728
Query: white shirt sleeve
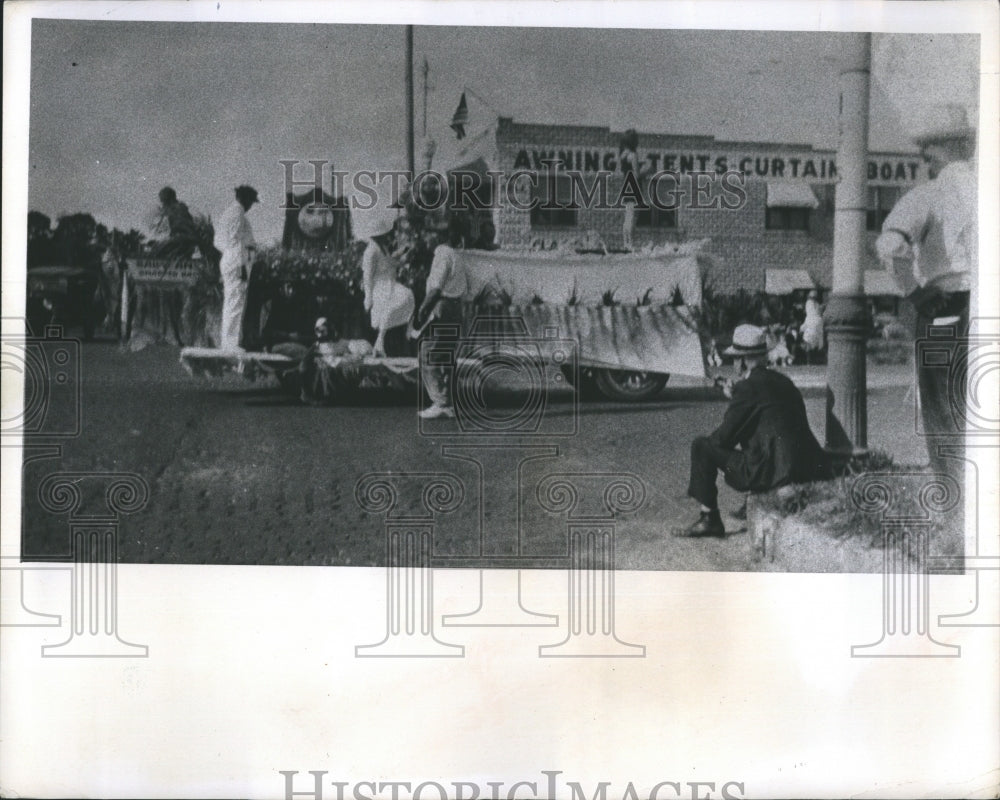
890	245
908	218
902	232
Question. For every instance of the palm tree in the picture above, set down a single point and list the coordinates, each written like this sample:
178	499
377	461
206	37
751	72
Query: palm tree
131	243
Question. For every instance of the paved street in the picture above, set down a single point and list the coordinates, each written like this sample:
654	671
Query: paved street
240	474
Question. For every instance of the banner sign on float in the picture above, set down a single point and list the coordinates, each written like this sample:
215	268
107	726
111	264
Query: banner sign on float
164	272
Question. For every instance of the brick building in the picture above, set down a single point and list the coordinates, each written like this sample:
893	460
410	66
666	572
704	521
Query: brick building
779	235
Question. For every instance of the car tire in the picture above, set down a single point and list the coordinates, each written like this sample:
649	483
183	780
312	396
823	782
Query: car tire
629	386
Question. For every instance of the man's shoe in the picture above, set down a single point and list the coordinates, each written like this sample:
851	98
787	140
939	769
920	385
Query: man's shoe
435	411
740	514
708	524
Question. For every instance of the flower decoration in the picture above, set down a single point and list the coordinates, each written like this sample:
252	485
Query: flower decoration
313	271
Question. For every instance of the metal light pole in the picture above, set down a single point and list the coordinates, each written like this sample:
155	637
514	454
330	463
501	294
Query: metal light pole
847	317
410	161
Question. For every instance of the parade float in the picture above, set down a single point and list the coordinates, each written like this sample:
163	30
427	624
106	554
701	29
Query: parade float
632	316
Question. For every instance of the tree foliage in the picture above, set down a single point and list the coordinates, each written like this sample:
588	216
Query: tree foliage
77	240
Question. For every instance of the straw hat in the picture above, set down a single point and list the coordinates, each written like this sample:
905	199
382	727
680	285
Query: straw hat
748	340
382	222
944	123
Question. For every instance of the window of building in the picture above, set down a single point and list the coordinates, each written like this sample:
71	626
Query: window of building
654	217
562	211
787	219
789	206
881	199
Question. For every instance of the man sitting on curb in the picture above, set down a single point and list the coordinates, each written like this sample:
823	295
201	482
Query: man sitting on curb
767	419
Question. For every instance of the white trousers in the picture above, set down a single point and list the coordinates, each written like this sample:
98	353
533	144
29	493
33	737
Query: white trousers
234	301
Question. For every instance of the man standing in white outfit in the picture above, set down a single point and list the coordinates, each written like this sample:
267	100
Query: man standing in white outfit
929	241
234	237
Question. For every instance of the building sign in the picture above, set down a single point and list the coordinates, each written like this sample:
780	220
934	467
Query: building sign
165	272
813	166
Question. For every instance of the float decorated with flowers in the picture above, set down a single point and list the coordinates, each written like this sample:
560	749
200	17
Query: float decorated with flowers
632	316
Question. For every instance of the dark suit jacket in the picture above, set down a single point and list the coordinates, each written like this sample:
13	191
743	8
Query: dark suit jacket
767	419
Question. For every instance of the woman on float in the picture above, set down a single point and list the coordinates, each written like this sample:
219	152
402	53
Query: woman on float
389	303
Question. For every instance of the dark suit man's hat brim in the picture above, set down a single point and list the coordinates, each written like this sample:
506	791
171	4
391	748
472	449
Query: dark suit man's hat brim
738	350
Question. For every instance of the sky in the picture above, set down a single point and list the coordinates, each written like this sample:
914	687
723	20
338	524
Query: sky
120	109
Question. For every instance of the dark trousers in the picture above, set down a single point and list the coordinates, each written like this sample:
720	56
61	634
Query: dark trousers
707	458
942	396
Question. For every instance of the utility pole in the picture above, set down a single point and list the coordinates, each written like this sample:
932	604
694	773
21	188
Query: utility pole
410	162
847	316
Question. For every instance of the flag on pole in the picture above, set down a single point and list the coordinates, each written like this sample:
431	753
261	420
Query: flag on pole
461	118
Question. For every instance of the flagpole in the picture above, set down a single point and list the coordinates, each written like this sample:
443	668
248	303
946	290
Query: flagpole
410	161
427	69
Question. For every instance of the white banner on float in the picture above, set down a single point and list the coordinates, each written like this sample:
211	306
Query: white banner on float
571	278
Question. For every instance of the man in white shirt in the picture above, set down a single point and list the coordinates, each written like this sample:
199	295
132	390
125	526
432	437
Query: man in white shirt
929	242
234	237
447	284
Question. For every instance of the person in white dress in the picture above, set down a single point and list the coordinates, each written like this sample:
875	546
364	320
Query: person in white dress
234	237
389	303
812	326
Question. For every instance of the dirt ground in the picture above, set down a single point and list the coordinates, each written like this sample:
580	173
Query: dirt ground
240	474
